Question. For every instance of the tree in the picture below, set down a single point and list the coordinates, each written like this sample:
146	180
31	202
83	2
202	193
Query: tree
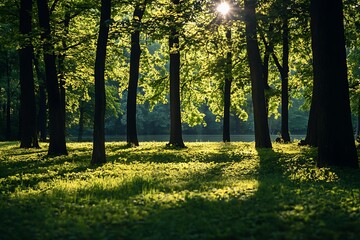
262	136
228	79
27	95
61	62
8	134
131	132
336	145
42	113
175	112
311	138
57	145
284	72
98	154
227	90
285	80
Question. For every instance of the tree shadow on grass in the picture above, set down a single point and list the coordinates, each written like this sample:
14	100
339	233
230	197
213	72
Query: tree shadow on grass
281	205
173	156
27	173
280	208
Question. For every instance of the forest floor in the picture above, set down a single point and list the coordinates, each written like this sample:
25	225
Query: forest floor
206	191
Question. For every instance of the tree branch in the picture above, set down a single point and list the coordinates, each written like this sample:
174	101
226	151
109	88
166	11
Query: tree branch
52	8
277	63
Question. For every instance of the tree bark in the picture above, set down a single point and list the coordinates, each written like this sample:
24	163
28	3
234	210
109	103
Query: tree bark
262	136
98	154
27	95
61	66
285	79
336	145
358	122
175	112
227	90
42	116
81	120
8	131
268	51
265	67
131	133
311	138
57	145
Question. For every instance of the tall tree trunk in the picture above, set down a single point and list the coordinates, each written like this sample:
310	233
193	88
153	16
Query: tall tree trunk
57	145
175	112
98	154
311	138
61	66
265	67
262	136
131	133
8	132
81	121
27	95
358	122
285	78
268	50
42	117
227	90
336	145
1	115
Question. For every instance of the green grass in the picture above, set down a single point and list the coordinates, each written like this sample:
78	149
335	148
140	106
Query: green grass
207	191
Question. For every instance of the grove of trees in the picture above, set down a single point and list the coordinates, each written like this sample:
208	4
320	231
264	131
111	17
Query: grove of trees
93	67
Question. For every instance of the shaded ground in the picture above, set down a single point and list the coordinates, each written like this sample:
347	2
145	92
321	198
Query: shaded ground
207	191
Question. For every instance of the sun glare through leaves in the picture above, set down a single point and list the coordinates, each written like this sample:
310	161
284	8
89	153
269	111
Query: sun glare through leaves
223	8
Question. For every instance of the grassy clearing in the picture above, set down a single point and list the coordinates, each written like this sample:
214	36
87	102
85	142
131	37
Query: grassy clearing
207	191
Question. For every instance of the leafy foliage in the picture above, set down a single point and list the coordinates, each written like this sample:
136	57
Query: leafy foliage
203	48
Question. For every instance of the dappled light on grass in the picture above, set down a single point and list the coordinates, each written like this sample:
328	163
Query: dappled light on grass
206	191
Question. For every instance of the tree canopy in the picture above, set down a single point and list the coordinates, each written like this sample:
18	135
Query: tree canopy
271	67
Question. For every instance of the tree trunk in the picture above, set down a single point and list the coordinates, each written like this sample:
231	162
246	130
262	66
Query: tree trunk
336	145
175	112
8	132
98	154
27	95
61	67
81	120
311	138
1	114
285	80
266	75
57	145
227	91
262	136
131	132
42	117
268	51
358	122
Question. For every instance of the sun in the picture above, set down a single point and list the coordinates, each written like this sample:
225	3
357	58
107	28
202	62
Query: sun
223	8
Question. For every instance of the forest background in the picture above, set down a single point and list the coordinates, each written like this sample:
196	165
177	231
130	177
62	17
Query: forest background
204	45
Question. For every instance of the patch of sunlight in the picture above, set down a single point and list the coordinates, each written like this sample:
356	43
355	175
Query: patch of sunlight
246	167
240	191
303	169
349	201
289	148
314	175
